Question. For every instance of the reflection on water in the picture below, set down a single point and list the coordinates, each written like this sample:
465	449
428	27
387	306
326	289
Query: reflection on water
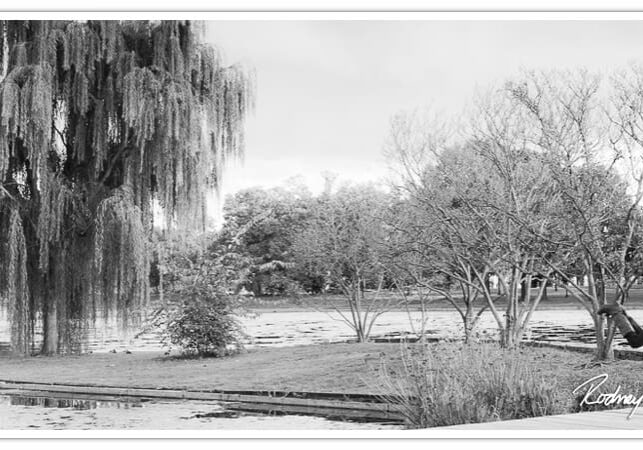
81	404
20	411
18	400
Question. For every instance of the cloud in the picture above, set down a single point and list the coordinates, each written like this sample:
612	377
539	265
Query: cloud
326	90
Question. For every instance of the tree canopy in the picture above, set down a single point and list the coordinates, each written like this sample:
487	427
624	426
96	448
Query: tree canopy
260	226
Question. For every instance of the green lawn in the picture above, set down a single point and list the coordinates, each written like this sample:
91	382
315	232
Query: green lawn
347	368
323	368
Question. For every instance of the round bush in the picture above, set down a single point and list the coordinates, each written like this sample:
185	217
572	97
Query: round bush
204	329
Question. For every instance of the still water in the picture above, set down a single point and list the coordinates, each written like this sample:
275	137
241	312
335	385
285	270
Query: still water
286	328
278	329
23	412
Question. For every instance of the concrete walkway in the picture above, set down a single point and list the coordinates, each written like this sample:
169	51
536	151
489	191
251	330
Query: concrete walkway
600	420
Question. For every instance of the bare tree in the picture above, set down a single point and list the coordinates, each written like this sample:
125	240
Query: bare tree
431	257
425	246
471	205
626	139
597	219
546	184
513	209
343	241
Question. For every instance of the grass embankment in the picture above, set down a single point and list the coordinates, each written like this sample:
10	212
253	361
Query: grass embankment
320	368
345	368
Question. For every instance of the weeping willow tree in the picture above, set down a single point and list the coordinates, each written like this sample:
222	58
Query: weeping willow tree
99	122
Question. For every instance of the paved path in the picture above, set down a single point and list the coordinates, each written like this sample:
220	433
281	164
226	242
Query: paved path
599	420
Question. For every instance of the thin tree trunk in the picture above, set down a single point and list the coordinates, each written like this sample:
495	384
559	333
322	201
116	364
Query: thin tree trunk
467	329
604	350
524	289
50	329
510	314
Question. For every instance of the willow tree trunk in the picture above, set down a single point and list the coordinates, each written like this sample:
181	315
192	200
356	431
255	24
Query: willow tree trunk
50	329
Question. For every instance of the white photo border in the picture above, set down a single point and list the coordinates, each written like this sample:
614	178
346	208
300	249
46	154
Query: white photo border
404	10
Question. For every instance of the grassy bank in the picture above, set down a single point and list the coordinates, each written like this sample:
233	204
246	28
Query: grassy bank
347	368
321	368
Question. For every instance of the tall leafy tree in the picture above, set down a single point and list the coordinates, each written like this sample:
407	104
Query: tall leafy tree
98	121
260	226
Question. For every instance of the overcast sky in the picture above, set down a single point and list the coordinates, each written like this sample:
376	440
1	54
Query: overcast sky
326	90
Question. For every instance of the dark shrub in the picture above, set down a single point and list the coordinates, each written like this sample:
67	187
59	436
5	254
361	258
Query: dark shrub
204	329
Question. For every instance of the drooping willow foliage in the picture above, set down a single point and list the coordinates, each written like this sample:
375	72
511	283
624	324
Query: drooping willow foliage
99	120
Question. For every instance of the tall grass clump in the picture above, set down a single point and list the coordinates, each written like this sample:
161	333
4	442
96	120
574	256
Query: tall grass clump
440	385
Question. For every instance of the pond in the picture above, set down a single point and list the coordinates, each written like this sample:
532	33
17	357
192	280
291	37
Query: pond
278	329
20	411
288	328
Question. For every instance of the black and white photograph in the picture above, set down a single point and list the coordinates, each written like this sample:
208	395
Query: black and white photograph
321	225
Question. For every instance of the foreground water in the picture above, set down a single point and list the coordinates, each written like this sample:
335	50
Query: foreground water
20	412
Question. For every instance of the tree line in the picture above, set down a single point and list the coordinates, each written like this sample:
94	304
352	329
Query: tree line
541	184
